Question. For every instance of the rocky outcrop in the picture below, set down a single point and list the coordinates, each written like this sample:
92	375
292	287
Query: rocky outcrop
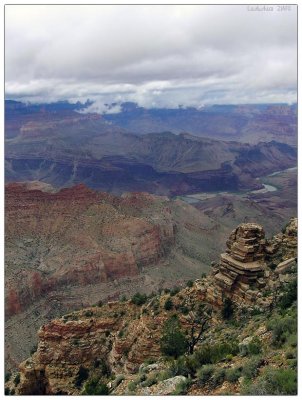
164	388
122	335
241	269
115	334
245	270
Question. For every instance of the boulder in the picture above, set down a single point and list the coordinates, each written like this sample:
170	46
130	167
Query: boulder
165	387
285	266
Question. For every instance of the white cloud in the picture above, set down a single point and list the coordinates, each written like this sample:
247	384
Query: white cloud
155	55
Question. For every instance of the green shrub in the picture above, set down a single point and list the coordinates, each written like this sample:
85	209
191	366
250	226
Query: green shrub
206	354
33	349
151	380
273	382
289	296
281	328
123	298
191	365
168	304
88	313
292	340
290	355
218	376
139	299
7	376
251	348
17	379
203	355
95	387
204	374
232	375
100	303
121	333
118	380
292	363
184	309
149	361
256	311
81	376
141	378
6	391
181	388
190	283
173	342
254	347
180	366
227	309
211	354
174	291
163	375
131	386
250	368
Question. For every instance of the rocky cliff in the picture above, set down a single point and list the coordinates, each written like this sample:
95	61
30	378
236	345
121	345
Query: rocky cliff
122	336
77	237
69	249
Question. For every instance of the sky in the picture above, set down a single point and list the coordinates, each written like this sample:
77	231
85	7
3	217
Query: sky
157	56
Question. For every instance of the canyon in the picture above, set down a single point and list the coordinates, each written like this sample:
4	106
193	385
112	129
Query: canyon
123	335
94	209
64	147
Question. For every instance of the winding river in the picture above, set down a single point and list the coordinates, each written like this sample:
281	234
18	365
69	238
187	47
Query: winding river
197	197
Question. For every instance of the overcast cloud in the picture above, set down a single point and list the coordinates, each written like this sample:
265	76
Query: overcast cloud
154	55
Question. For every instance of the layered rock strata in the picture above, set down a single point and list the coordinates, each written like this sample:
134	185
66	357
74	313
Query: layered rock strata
124	335
78	237
241	268
117	334
246	269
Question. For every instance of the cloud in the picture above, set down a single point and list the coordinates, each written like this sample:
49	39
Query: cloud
100	107
154	55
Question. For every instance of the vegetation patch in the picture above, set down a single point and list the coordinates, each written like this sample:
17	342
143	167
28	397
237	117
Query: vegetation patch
95	387
173	341
273	382
139	299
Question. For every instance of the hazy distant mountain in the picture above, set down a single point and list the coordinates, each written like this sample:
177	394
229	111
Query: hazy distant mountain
244	123
64	147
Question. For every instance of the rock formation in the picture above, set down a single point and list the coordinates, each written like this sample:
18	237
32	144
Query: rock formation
242	267
245	270
69	249
115	334
124	335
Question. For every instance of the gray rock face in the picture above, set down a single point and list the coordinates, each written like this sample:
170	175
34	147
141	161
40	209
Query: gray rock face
285	266
165	387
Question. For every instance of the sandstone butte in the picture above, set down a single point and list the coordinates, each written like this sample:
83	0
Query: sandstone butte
125	335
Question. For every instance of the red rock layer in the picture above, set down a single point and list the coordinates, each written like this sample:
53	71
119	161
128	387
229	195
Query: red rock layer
77	237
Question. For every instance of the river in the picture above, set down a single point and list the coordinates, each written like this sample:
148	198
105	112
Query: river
198	197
